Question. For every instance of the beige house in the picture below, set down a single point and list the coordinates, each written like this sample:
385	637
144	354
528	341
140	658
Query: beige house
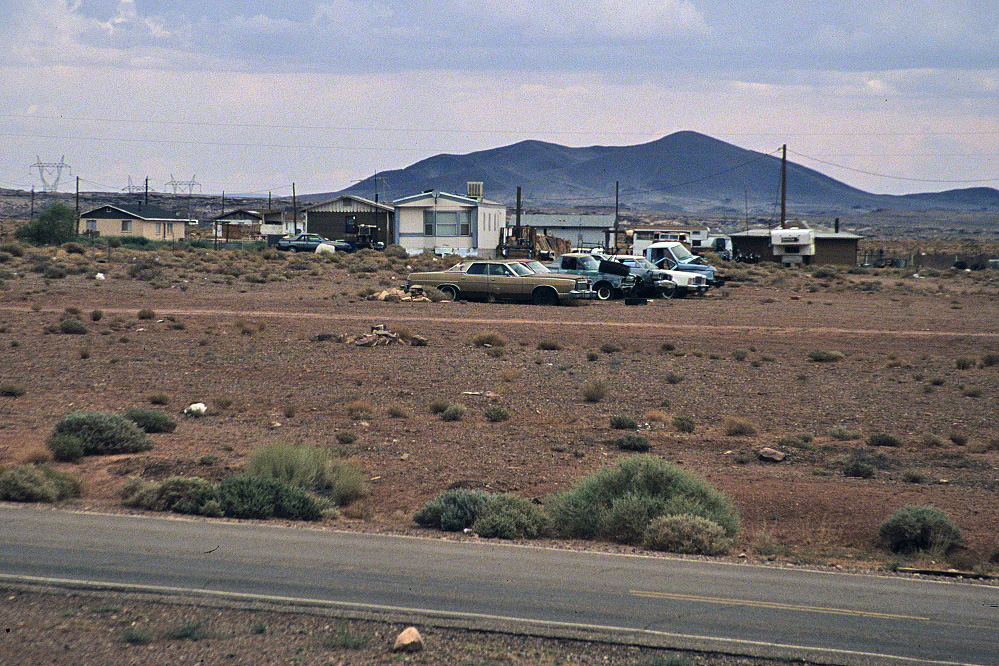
445	223
139	220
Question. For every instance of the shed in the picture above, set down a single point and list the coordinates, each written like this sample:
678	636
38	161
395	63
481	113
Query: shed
352	218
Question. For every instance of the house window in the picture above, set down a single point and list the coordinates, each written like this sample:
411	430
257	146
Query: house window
447	223
91	225
428	223
350	224
126	226
169	228
465	222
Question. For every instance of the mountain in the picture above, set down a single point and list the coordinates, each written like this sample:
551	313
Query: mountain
682	172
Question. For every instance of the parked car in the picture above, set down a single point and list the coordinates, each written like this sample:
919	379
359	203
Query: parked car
610	279
675	257
503	279
303	243
685	283
650	281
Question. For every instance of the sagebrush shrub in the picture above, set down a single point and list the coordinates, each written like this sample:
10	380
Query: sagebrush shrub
12	390
843	434
360	410
453	413
617	503
256	497
964	362
737	427
438	406
610	347
825	356
687	534
496	414
102	433
683	423
309	468
453	510
180	494
146	313
623	422
633	442
151	420
595	391
858	469
489	339
72	326
883	439
549	345
914	528
511	517
38	483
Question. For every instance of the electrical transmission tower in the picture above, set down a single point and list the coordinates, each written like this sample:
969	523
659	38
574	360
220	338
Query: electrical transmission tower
180	186
132	189
50	172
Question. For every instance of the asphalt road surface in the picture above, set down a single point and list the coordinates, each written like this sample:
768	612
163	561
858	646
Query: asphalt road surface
767	611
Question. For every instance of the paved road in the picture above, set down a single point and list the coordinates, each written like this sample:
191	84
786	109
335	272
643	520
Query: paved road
850	619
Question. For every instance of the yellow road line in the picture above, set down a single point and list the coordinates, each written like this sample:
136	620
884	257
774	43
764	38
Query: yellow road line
770	604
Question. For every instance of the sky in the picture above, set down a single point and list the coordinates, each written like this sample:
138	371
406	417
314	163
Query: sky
260	97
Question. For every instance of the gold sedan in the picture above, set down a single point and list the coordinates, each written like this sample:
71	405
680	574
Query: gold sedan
503	279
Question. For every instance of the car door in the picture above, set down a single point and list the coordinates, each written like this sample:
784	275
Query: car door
503	283
476	279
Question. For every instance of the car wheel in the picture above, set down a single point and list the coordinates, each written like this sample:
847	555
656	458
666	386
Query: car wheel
669	292
544	296
450	293
604	291
293	249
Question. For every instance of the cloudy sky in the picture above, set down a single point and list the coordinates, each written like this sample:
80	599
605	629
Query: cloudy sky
250	96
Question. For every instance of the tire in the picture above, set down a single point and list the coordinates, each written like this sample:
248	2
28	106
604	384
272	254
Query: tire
450	292
604	290
293	249
669	292
544	296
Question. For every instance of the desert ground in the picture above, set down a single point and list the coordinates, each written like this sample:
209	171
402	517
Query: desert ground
267	342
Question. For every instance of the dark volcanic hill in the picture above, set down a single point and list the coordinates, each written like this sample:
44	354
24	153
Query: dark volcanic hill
684	172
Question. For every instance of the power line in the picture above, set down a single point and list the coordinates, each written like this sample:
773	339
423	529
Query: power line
884	175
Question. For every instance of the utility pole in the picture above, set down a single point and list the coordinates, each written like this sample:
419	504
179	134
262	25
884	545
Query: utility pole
294	209
77	204
783	187
617	202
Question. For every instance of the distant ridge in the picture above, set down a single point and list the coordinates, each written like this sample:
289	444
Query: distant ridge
683	172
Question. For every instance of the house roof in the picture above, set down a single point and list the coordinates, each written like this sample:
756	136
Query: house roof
137	212
820	233
437	194
360	200
572	220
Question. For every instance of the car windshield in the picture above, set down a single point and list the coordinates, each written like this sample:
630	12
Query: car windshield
587	263
537	267
681	254
520	269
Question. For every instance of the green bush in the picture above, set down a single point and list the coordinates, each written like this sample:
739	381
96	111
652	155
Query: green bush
964	362
511	517
610	347
453	510
136	635
38	483
825	272
618	503
883	439
72	326
914	528
633	442
311	469
150	420
256	497
843	434
180	494
65	447
825	356
549	345
496	414
623	422
858	469
55	225
453	413
688	534
102	433
683	423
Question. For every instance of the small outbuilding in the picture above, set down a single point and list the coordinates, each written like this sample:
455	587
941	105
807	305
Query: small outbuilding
796	243
360	221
